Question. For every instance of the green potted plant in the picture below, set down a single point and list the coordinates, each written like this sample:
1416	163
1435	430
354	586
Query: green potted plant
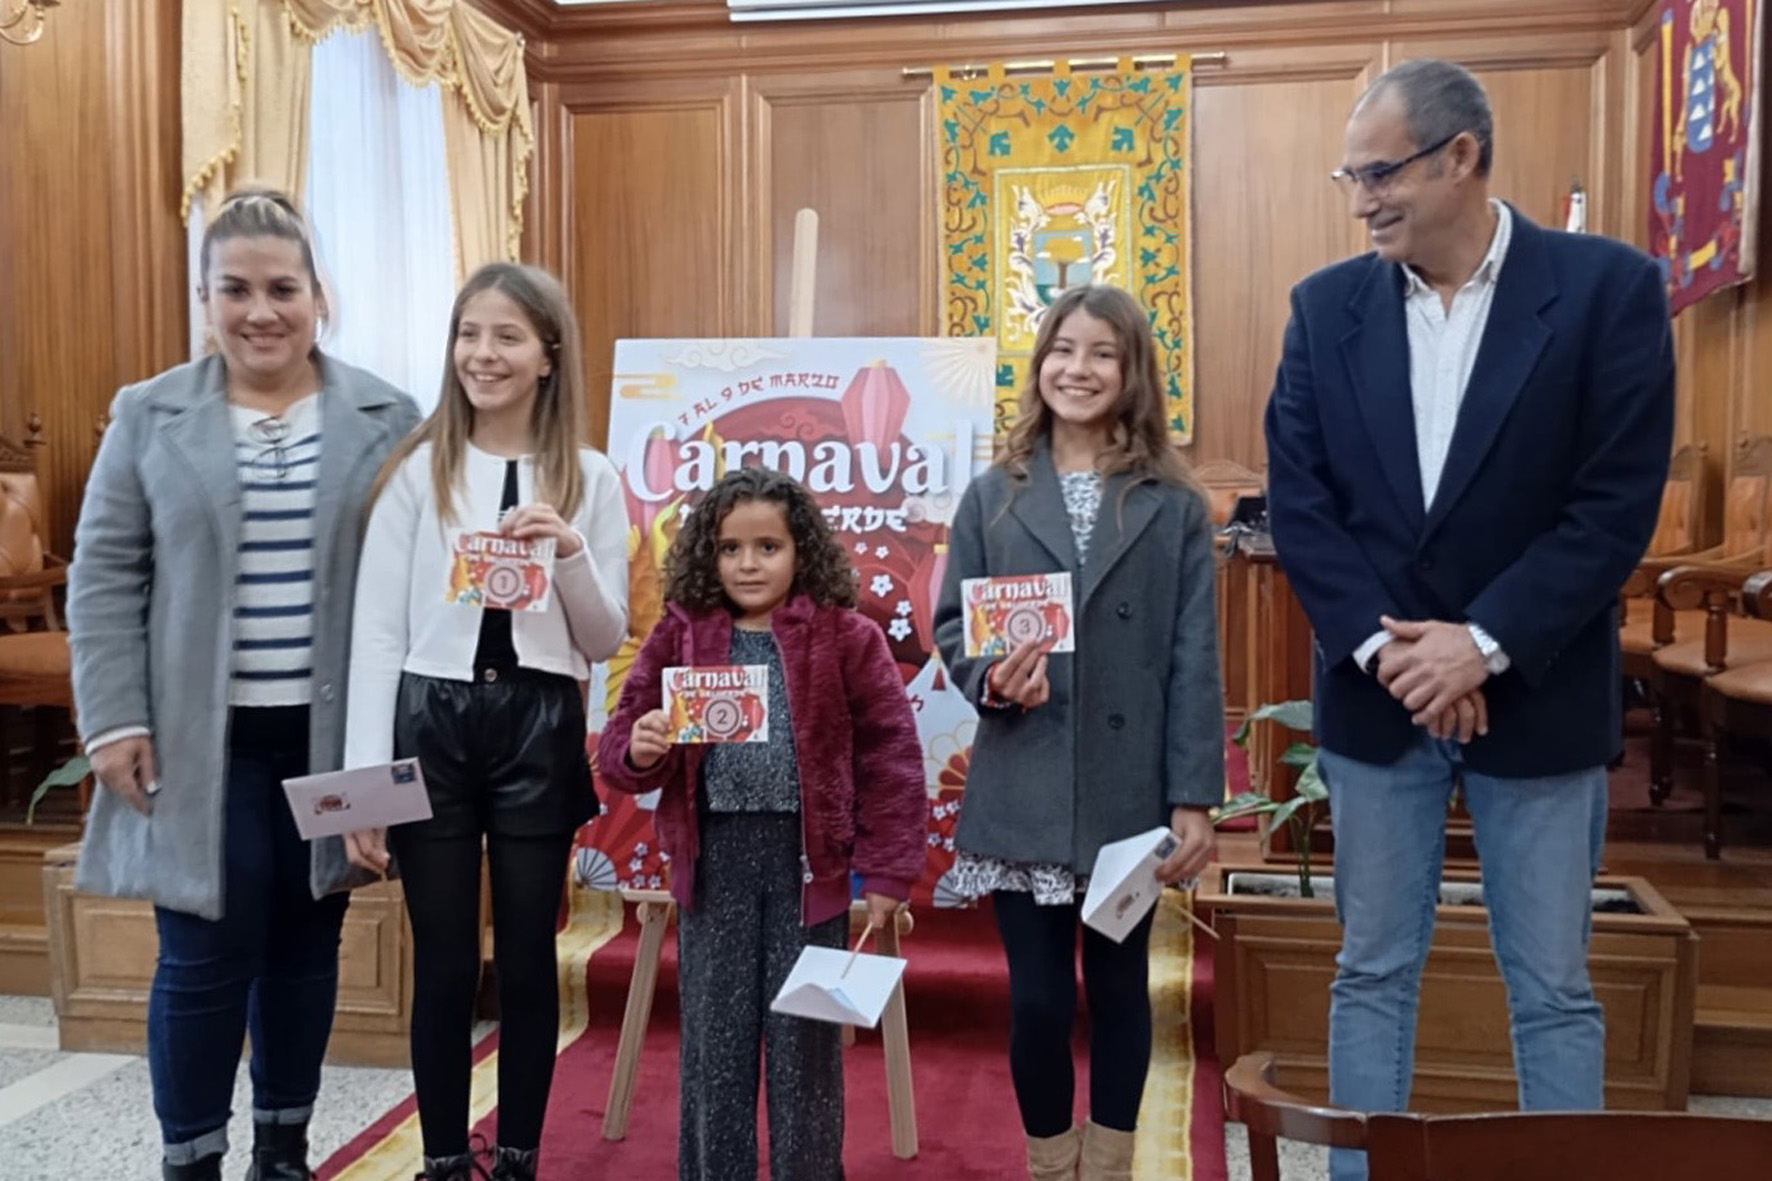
72	773
1300	812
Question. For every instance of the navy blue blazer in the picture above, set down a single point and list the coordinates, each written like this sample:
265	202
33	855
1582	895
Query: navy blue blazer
1546	503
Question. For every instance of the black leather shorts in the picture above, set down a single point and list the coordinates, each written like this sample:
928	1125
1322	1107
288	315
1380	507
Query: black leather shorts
503	753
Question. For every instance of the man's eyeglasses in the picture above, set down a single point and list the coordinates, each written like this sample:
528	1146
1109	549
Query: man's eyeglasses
1376	178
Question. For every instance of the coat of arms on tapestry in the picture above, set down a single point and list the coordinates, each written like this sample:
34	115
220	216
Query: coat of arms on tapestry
1704	162
1059	180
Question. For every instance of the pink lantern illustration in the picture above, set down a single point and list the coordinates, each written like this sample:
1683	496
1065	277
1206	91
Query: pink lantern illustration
874	405
924	586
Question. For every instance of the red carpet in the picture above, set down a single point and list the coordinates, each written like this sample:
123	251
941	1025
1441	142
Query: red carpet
956	997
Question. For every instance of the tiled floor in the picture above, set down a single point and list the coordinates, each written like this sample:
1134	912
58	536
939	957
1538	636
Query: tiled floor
89	1115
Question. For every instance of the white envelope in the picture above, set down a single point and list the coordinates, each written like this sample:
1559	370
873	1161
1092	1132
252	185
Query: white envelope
1124	885
818	987
338	802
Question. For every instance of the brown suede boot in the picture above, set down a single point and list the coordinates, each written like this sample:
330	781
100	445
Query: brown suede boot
1054	1158
1107	1154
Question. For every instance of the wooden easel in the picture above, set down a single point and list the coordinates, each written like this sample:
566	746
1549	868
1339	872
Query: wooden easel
654	908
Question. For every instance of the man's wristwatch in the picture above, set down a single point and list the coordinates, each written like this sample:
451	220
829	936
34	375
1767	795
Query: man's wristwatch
1487	648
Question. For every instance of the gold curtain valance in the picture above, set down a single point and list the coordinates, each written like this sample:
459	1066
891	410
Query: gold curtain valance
245	75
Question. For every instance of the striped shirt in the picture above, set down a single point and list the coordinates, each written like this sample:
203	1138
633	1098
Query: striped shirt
278	461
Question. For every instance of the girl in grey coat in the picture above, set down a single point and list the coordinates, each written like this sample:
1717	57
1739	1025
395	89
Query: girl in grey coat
1078	749
209	612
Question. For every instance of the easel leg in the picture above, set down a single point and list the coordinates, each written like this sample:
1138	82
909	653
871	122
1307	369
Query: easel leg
901	1102
654	921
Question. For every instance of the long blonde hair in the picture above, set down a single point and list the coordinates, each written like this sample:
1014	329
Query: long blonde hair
1139	442
557	428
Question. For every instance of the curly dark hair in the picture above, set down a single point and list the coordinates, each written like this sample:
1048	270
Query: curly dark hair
821	567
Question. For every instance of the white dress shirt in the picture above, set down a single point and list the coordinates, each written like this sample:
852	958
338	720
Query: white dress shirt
1443	343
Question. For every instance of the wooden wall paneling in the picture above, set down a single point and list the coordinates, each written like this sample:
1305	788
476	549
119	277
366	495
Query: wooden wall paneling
650	38
1267	133
650	241
1547	93
859	149
57	348
1638	110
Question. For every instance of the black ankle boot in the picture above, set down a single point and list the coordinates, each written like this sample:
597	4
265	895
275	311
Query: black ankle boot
450	1168
207	1169
512	1164
279	1153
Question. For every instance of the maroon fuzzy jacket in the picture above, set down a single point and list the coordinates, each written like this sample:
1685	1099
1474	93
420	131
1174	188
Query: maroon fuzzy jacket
862	798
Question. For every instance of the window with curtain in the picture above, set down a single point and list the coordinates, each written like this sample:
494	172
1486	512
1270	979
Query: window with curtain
378	199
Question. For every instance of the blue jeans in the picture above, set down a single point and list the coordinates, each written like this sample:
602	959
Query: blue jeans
1539	843
268	965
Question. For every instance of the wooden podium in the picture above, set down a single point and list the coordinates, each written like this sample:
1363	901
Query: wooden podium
1266	651
102	953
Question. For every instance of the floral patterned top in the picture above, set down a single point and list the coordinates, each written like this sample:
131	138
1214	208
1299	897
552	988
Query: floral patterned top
1050	884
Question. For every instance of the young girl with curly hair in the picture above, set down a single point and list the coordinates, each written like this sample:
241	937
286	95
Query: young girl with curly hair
762	837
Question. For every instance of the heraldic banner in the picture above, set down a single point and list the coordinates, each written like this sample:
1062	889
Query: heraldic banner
1055	181
1704	160
886	433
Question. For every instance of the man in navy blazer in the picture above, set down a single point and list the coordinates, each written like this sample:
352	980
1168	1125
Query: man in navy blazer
1467	442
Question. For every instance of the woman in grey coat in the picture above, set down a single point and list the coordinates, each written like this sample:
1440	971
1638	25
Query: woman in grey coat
1078	749
209	611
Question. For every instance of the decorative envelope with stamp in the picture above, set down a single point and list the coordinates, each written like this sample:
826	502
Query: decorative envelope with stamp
1005	612
338	802
492	570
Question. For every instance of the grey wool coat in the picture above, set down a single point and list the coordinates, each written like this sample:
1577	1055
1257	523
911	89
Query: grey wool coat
150	611
1135	723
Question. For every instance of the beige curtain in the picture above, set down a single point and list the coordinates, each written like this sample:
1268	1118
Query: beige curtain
245	99
245	79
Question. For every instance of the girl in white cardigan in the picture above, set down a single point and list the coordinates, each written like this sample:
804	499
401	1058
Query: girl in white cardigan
488	699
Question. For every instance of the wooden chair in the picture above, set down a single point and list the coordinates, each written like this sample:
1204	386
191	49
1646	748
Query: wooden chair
1252	1099
1731	640
35	664
1747	532
653	909
1566	1146
1678	530
1517	1146
1735	695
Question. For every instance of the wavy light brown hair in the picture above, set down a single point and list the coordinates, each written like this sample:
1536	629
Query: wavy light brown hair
822	569
1139	442
556	430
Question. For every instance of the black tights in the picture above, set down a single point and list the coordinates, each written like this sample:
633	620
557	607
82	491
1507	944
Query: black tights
442	877
1040	943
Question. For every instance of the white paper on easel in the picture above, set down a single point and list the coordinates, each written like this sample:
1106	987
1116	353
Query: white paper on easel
820	989
1124	885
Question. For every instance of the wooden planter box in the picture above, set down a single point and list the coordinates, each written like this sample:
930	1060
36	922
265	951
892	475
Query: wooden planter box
1275	960
101	961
